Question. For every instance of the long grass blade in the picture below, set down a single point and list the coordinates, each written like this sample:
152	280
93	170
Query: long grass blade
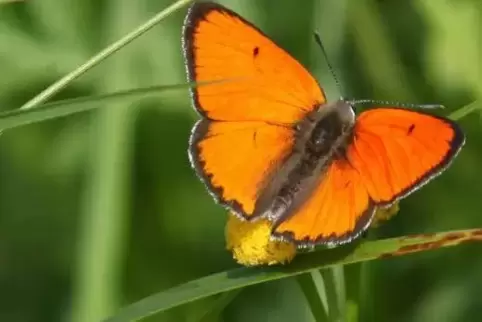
102	55
238	278
313	287
15	118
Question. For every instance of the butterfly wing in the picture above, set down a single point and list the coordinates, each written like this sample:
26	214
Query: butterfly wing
237	159
396	150
255	79
257	93
337	211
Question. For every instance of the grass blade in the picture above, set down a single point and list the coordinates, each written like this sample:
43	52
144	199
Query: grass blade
466	110
212	312
238	278
335	292
313	288
102	55
15	118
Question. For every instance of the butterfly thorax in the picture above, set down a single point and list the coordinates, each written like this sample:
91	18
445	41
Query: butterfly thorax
328	137
321	138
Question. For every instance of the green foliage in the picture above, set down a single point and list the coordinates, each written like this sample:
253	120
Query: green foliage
99	210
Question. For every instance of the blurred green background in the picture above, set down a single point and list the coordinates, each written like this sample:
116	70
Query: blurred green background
101	209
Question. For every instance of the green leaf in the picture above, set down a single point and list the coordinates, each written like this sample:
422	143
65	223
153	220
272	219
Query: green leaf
20	117
242	277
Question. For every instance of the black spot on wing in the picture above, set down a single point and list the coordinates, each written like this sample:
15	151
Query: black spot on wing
410	129
255	52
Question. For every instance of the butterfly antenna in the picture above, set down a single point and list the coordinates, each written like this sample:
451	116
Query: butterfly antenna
330	68
368	101
398	104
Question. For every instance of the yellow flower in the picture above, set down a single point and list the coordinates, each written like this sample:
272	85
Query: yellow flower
384	214
251	244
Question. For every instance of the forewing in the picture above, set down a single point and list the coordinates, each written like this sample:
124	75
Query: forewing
237	159
246	76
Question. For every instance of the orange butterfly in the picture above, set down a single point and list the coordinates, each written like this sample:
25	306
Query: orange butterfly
268	144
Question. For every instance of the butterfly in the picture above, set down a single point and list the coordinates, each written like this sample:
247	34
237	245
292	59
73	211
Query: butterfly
269	145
